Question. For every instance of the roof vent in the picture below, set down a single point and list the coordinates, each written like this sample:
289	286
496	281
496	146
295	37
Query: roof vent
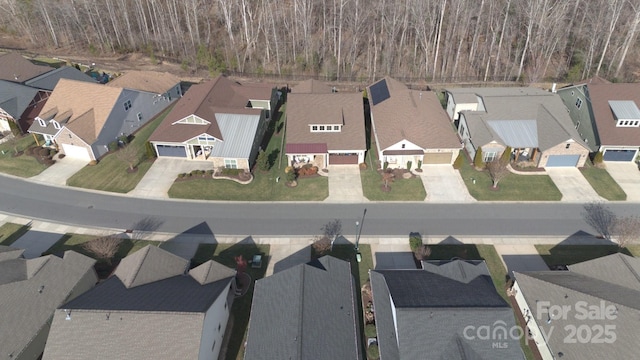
68	314
41	289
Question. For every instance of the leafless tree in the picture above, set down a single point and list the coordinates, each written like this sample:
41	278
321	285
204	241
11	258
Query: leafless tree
498	170
600	218
129	154
104	247
422	252
626	230
387	177
321	245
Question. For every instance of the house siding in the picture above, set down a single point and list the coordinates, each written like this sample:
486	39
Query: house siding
532	324
582	118
216	315
218	162
560	149
453	109
66	136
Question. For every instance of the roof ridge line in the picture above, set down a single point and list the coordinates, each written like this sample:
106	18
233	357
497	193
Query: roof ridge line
626	263
139	265
298	339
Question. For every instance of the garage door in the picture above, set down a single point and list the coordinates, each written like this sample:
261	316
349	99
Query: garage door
563	160
437	158
171	150
619	155
76	152
343	159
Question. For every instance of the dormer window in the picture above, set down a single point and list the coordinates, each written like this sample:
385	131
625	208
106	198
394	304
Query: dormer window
625	113
42	122
325	128
56	124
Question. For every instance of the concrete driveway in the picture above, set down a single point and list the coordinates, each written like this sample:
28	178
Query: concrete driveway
521	258
444	184
392	256
345	185
58	173
36	242
572	184
627	175
158	180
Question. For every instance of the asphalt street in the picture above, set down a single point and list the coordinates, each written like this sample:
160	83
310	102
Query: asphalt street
82	208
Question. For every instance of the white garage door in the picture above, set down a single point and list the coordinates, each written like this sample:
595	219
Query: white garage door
76	152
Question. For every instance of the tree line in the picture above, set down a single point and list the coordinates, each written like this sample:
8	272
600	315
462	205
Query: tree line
435	40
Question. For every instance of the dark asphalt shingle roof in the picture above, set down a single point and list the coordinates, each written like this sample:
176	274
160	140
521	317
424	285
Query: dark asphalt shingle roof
49	80
15	98
14	67
423	314
306	312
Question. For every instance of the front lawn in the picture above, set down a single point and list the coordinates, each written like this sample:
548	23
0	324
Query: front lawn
401	189
512	188
24	165
10	232
110	174
266	185
603	183
571	254
241	309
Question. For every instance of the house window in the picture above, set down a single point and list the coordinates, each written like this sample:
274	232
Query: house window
336	128
42	123
231	163
139	115
169	96
567	146
321	127
578	103
314	128
392	159
127	105
578	124
490	156
403	145
56	124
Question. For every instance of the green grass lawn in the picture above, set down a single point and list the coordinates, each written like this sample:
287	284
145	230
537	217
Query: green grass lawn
401	189
240	311
572	254
263	187
603	183
512	188
24	165
10	232
110	174
498	272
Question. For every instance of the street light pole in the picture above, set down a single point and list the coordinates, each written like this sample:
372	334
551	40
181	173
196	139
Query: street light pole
358	231
357	234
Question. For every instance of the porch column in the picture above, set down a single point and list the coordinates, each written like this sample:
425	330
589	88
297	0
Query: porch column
35	138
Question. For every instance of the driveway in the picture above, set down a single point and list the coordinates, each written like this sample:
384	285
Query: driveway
58	173
572	184
345	185
36	242
627	175
521	258
158	180
392	256
444	184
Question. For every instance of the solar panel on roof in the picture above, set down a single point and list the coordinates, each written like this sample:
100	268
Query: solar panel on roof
379	92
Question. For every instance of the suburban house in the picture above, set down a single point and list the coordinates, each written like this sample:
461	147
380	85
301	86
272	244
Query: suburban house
447	310
81	118
164	86
15	68
308	311
49	80
19	104
324	128
30	292
607	115
534	123
153	307
590	311
410	126
220	120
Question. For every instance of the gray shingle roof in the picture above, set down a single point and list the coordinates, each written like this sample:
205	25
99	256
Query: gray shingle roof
163	319
14	67
422	314
15	98
591	283
149	264
553	123
31	290
306	312
9	253
49	80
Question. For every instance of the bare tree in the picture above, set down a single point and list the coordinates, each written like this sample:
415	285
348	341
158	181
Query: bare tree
129	154
321	245
422	252
498	170
332	230
626	230
104	247
387	177
600	218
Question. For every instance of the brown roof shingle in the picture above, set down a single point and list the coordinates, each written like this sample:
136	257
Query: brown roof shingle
412	115
220	95
608	132
14	67
343	109
149	81
311	87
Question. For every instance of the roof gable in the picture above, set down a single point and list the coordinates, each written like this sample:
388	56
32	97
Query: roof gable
192	119
211	271
149	264
16	98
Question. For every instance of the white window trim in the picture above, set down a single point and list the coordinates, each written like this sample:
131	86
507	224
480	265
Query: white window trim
56	124
230	162
489	156
325	128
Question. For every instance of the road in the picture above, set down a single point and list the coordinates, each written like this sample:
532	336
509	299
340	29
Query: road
82	208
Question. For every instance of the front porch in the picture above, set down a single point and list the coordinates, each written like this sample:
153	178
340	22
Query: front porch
300	160
525	157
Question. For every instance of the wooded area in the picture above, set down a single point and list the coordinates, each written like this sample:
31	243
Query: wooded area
434	40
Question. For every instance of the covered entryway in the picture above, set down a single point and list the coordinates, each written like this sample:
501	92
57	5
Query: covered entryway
437	158
562	160
619	155
171	150
343	159
76	152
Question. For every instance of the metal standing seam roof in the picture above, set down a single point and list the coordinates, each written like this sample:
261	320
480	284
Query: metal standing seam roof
16	98
49	80
516	133
238	132
624	109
